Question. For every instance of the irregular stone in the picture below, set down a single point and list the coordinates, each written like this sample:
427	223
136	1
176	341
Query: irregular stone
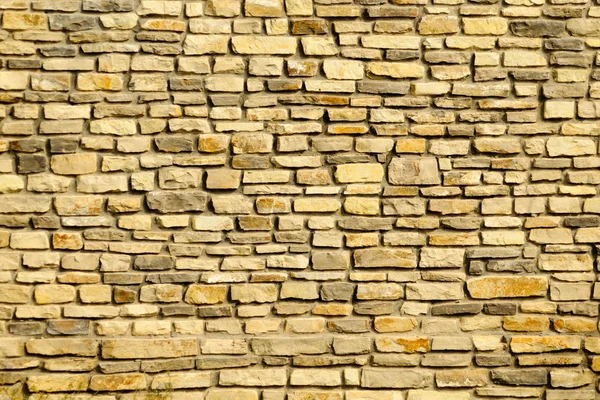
421	171
507	286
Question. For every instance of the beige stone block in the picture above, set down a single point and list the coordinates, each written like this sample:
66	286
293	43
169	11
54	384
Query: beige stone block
223	179
29	241
14	294
11	183
131	381
206	294
397	70
507	287
263	8
264	45
148	348
253	377
74	164
317	205
57	383
438	25
555	109
359	173
343	69
361	205
485	26
227	394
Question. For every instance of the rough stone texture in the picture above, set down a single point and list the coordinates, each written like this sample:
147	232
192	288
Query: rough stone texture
299	199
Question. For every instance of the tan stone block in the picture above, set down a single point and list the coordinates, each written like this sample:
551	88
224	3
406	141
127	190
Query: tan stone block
437	395
397	70
318	205
518	58
359	173
227	394
57	383
11	183
182	380
95	293
163	293
148	348
485	26
264	45
315	377
67	240
253	377
434	291
343	69
254	293
299	7
132	381
361	205
93	81
438	25
223	179
421	171
14	294
206	294
16	20
555	109
507	286
74	164
542	344
264	8
29	241
54	294
570	146
223	8
59	347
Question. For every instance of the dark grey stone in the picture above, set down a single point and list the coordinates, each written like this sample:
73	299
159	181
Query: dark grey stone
226	362
178	310
28	145
456	309
500	308
153	263
31	163
537	28
215	311
570	44
374	308
175	144
26	328
582	222
340	291
72	23
167	365
168	202
63	145
108	5
68	327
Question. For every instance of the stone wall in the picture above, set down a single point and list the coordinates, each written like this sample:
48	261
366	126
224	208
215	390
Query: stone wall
299	199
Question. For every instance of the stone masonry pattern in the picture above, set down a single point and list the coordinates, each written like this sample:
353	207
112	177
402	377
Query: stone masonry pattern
299	199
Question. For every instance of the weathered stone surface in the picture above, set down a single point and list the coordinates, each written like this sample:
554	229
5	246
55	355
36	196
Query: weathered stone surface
418	171
57	383
168	202
54	347
507	286
299	199
263	45
148	348
395	378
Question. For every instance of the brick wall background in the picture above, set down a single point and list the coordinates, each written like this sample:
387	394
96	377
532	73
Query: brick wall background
299	199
